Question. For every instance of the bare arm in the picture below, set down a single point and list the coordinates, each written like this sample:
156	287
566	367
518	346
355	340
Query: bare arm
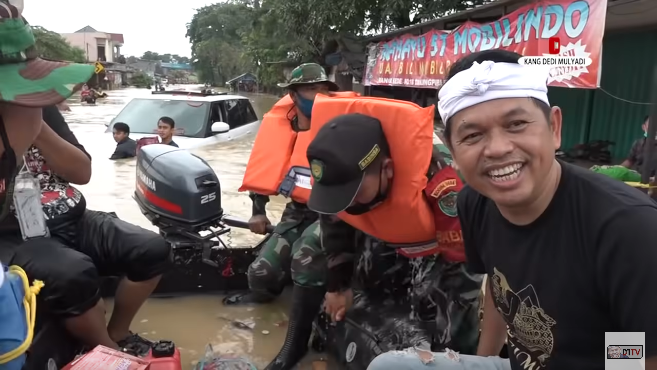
632	157
64	159
493	327
22	126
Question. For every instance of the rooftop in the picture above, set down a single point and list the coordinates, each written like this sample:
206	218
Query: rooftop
116	37
244	76
87	29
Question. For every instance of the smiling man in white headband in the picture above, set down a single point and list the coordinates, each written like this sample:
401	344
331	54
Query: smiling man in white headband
569	253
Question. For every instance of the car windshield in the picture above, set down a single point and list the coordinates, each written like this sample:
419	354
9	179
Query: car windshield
191	117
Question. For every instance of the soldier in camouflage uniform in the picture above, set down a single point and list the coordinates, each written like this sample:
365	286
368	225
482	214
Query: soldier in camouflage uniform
297	234
431	293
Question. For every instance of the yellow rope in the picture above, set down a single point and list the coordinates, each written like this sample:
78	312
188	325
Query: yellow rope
29	303
640	185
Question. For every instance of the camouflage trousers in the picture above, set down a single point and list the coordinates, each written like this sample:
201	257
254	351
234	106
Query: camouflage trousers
293	251
425	302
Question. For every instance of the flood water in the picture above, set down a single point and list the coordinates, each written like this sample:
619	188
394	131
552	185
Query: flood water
194	321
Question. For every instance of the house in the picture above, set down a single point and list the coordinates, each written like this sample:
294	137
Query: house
98	46
247	82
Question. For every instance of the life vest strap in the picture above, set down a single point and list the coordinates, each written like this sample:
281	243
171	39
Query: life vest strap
417	250
296	176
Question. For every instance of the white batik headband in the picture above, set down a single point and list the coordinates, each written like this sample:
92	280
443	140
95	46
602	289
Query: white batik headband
488	81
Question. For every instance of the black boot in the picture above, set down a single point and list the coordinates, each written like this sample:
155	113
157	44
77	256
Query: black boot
306	303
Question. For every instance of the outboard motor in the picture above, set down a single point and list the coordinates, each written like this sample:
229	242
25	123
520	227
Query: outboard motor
177	190
180	194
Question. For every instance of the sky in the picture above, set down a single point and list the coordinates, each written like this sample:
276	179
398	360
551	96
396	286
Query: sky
146	25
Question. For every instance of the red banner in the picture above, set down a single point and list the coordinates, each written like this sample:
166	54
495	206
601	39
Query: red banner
423	61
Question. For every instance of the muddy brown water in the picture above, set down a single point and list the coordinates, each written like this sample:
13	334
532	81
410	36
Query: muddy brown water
192	321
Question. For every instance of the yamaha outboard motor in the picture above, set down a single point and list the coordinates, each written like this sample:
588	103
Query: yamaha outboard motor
177	189
180	194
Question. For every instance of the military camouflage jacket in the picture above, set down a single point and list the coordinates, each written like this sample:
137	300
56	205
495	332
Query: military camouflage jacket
339	239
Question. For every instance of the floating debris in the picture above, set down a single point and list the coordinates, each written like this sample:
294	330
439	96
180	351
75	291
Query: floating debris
212	361
281	324
265	332
243	325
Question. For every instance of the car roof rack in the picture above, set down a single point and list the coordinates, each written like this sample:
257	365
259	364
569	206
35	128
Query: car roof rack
189	93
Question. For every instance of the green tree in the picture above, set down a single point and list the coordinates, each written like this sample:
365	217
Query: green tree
152	56
216	33
165	58
51	45
141	79
240	35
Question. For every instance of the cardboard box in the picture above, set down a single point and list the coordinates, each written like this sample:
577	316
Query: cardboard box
103	358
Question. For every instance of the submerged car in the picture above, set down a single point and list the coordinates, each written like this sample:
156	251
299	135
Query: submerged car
201	118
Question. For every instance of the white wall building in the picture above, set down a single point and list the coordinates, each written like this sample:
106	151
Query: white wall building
98	46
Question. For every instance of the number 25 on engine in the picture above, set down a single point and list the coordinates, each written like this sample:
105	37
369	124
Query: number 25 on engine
208	198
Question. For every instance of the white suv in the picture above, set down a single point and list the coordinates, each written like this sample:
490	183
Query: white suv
201	119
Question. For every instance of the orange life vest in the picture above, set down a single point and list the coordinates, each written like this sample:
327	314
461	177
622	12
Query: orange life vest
278	163
406	216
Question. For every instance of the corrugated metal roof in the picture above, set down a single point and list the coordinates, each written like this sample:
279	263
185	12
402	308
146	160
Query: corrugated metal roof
242	77
185	66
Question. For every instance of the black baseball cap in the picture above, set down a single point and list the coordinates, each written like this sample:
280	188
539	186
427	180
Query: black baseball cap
339	155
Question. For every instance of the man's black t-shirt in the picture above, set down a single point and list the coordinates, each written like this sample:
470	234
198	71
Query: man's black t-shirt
62	203
586	266
127	148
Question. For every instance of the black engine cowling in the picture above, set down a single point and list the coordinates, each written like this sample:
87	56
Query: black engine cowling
176	187
180	194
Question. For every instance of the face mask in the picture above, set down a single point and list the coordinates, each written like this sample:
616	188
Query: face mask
305	105
361	208
8	171
645	134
